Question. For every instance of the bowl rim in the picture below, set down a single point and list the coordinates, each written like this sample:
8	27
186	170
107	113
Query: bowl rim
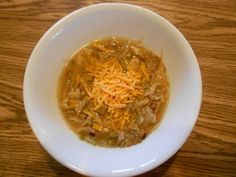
88	8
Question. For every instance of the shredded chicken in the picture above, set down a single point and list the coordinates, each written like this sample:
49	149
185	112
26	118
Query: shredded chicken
112	91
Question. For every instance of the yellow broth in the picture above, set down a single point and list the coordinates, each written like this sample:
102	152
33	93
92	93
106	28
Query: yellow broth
113	92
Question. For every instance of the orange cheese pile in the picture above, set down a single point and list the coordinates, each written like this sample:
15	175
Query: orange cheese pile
115	89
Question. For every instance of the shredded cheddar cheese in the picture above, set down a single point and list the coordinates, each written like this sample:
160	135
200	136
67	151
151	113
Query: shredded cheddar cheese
114	88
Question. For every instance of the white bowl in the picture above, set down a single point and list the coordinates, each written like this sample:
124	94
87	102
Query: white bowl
79	28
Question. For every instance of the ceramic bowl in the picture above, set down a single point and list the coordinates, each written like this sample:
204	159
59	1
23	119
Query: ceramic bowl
95	22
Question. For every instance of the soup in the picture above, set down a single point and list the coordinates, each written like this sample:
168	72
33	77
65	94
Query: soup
113	92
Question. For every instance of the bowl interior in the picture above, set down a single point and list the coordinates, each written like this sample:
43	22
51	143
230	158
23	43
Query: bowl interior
71	33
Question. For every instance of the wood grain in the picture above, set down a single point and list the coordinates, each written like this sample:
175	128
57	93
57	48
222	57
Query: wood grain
209	26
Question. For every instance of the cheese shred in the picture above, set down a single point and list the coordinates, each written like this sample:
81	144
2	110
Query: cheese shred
114	88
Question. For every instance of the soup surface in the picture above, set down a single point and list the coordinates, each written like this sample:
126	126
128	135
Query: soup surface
113	92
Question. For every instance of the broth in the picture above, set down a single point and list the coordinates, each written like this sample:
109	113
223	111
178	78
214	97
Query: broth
113	92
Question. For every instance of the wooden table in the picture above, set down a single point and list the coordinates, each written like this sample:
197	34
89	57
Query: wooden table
209	26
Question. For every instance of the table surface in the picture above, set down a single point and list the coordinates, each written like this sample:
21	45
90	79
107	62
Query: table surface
209	26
